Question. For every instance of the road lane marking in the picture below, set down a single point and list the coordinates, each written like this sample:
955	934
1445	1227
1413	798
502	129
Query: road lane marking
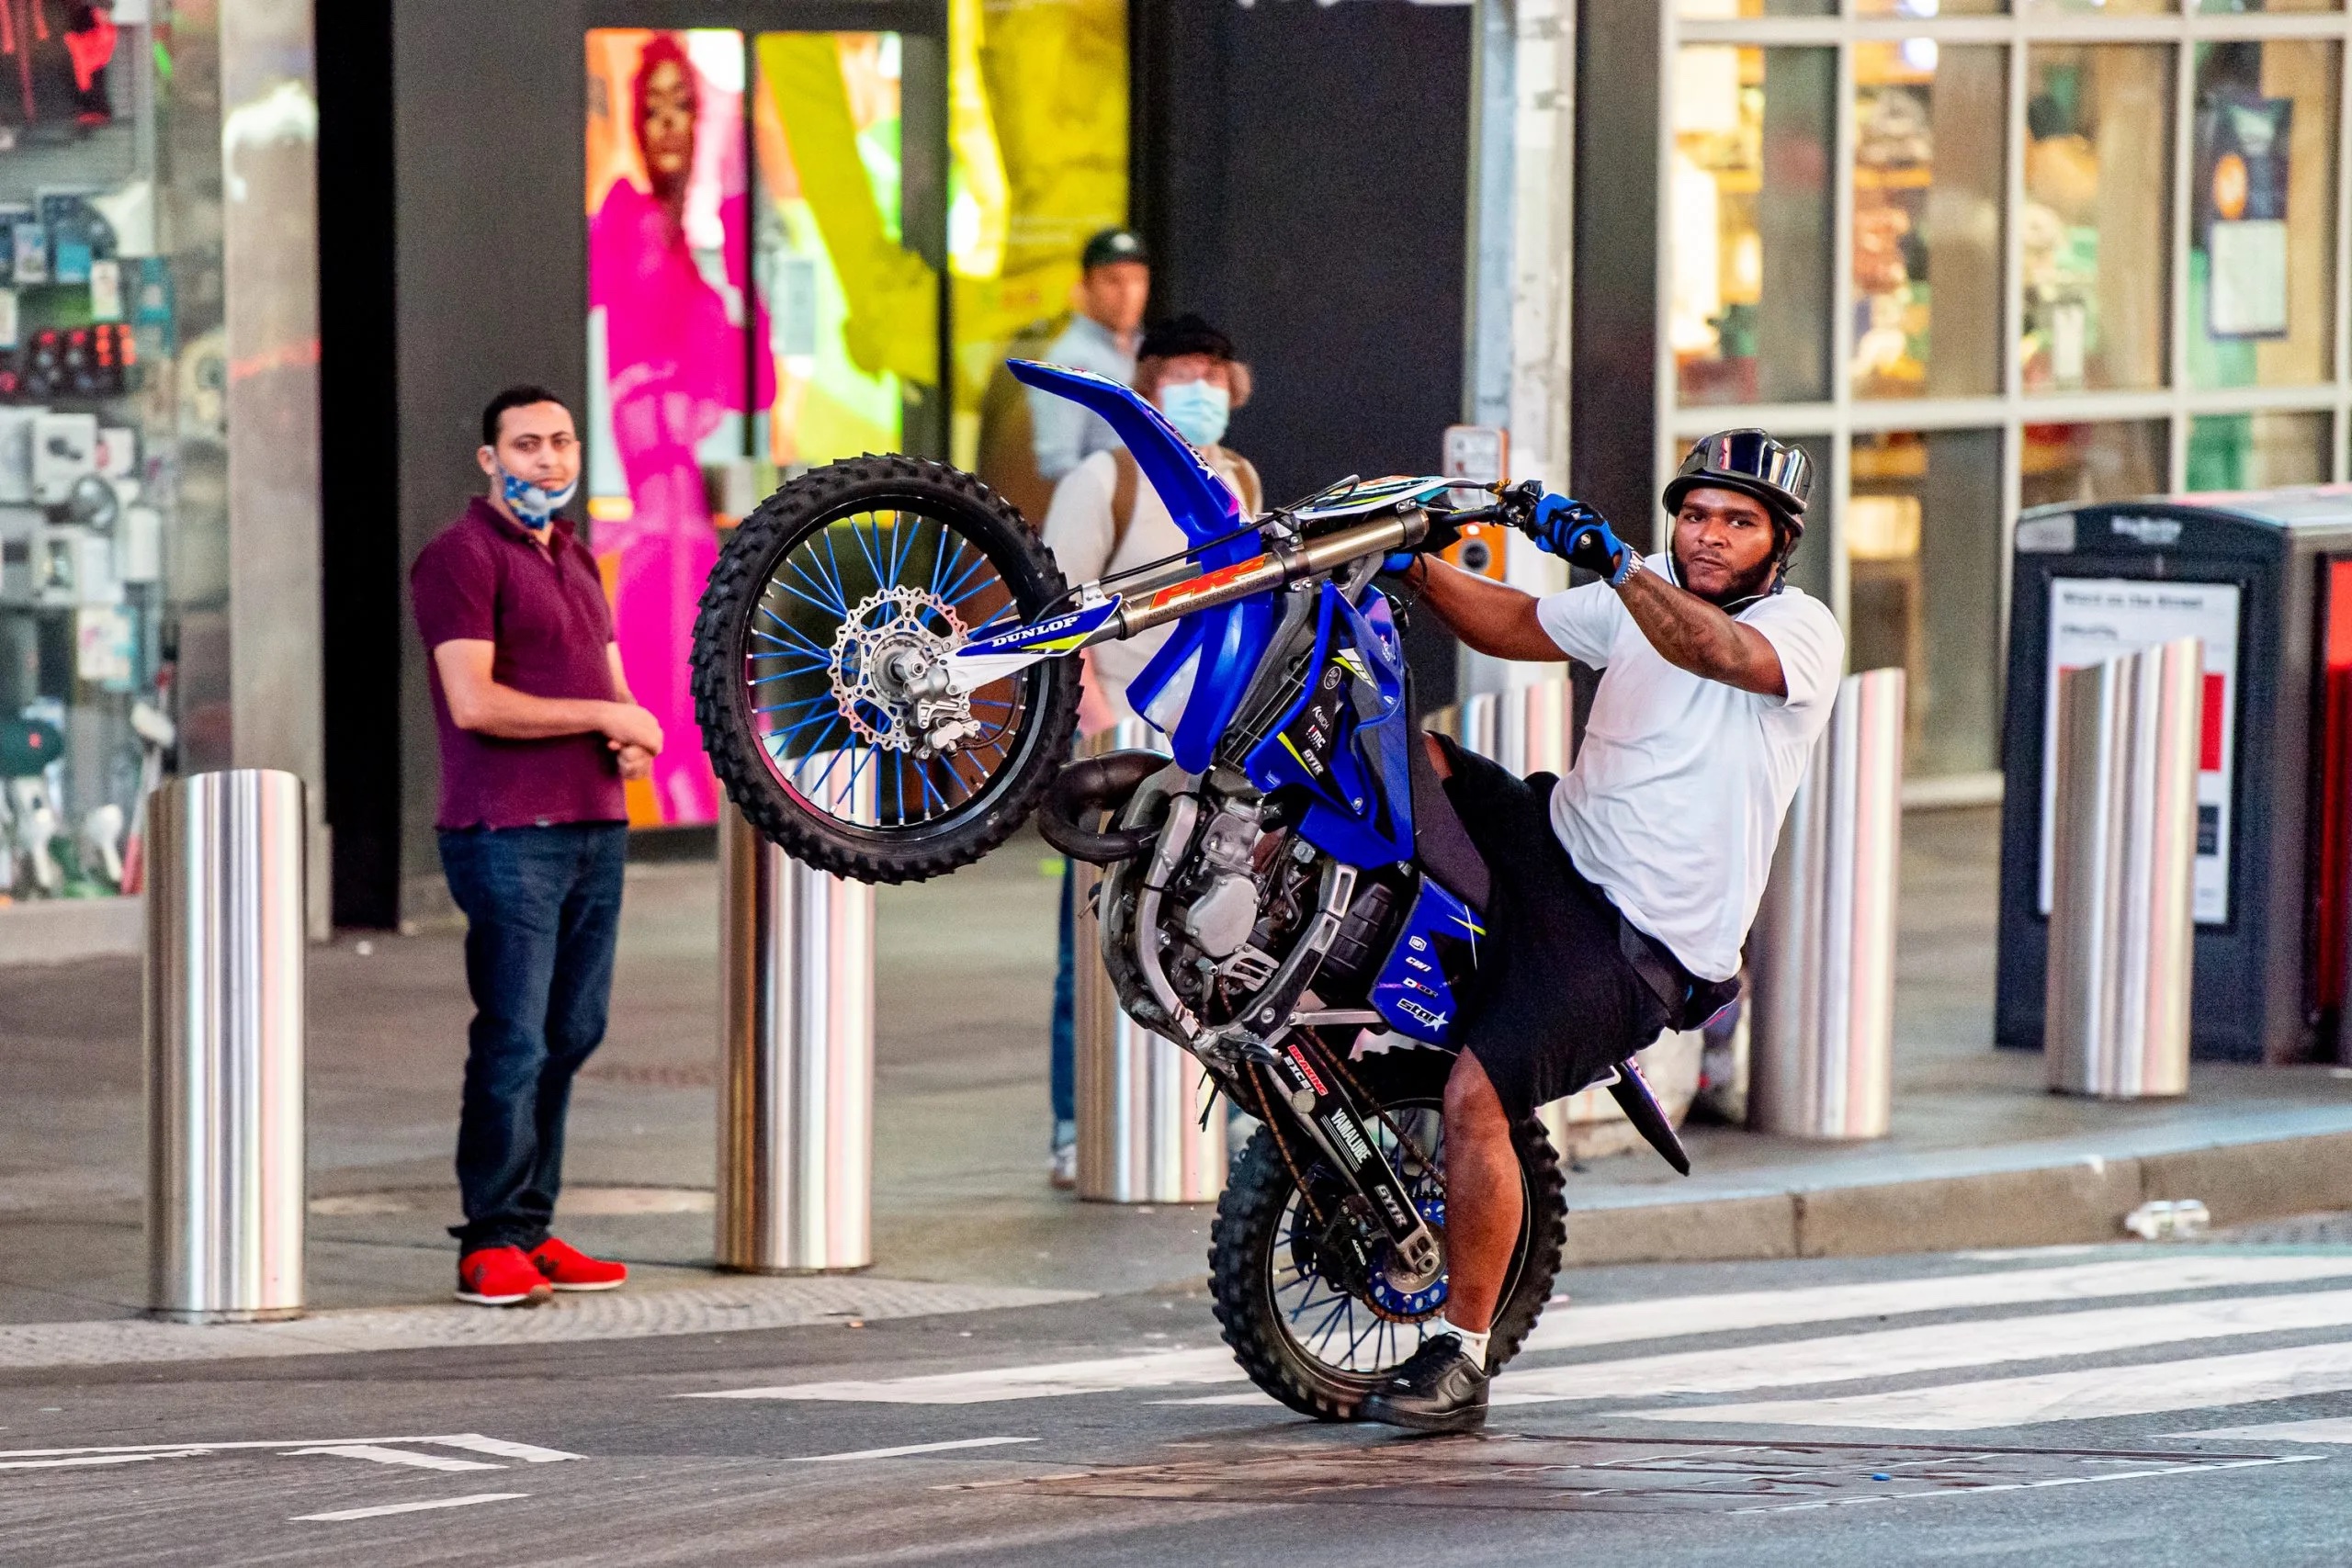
2140	1390
95	1458
2031	1485
1616	1322
1927	1348
529	1453
910	1449
378	1512
1151	1369
382	1455
453	1439
2327	1429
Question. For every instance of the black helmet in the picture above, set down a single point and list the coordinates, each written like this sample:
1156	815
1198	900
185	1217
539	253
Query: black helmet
1752	463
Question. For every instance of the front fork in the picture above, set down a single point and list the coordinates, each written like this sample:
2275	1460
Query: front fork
1321	1106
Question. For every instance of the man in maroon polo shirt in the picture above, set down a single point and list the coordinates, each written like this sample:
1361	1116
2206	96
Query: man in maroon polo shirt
537	731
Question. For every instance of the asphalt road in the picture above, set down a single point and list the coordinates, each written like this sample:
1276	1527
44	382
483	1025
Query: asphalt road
2069	1406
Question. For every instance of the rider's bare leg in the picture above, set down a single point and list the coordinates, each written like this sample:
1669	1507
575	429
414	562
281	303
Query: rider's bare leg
1437	756
1482	1196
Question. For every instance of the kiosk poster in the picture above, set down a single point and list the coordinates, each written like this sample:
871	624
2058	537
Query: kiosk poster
2096	619
2242	144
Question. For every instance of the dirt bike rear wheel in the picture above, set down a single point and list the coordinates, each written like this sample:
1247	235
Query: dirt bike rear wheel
1317	1346
847	578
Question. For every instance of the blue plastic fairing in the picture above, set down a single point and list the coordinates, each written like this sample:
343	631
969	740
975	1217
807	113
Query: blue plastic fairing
1437	950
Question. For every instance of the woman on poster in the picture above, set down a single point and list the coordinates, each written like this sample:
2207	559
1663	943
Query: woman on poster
675	357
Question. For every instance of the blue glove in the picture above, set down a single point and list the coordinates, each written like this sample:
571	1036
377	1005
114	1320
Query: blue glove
1397	562
1581	537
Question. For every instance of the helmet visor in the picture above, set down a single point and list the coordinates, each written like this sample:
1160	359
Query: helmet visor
1753	455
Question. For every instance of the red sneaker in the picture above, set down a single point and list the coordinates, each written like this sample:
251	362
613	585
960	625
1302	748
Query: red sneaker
501	1276
569	1268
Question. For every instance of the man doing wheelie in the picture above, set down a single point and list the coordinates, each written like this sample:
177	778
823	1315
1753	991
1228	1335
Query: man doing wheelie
1622	891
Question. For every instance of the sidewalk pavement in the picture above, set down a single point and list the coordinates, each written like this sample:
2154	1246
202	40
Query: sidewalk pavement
1980	1155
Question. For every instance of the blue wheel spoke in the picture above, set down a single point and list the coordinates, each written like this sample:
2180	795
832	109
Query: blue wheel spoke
782	739
833	602
950	593
807	644
825	697
865	550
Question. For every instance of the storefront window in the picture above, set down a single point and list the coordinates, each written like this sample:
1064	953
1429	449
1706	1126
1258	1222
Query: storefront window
766	315
2094	7
90	460
1750	200
2246	7
2092	462
1928	176
1038	132
2098	216
1720	10
2257	451
1929	7
1922	538
2262	249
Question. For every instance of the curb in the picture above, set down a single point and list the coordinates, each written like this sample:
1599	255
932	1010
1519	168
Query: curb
2078	1200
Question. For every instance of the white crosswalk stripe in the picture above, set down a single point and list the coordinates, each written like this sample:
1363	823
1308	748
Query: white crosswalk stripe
1784	1364
2090	1395
1937	1347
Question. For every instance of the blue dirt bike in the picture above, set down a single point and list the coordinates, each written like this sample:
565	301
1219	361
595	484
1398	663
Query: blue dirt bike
885	681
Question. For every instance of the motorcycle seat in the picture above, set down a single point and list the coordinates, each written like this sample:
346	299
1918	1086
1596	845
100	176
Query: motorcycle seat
1439	841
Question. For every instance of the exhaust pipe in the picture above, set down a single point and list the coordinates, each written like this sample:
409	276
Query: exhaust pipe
1104	784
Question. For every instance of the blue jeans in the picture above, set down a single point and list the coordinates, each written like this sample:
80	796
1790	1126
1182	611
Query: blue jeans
543	909
1065	1046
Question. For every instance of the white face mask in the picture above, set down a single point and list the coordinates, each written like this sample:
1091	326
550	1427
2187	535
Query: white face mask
1199	411
534	504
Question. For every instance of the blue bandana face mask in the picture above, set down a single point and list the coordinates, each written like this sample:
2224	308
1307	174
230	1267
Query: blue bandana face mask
1199	411
532	504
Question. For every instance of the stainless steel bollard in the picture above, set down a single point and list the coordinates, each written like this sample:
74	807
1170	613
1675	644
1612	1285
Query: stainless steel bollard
2123	854
225	997
1140	1100
1821	957
795	1105
1524	729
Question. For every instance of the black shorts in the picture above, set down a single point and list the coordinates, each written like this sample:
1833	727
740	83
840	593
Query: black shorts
1555	1003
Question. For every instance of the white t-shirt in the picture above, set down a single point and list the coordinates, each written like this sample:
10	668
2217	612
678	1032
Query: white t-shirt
1677	796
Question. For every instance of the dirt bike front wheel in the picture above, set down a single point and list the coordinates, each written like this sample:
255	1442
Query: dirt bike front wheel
825	606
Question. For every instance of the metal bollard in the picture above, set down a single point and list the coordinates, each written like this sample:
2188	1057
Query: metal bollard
225	1018
1140	1100
1524	729
2123	852
796	1104
1821	956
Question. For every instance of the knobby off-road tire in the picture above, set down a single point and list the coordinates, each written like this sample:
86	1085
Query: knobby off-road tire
745	577
1246	1245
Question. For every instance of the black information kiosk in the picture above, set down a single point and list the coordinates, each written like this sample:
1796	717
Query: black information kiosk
2265	579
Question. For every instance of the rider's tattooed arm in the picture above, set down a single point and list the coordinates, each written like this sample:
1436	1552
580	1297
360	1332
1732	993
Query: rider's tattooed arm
1489	616
1692	635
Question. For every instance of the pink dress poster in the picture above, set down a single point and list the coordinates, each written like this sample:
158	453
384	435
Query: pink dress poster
672	374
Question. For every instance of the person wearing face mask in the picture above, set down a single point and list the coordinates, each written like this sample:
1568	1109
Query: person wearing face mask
1105	519
538	731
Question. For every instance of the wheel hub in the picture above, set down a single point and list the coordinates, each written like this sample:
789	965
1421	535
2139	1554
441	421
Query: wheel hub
885	664
1396	1291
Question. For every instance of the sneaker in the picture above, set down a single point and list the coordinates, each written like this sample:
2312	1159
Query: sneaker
1440	1390
569	1268
501	1276
1064	1174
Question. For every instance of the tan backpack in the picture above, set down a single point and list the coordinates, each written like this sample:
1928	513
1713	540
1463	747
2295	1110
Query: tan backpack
1238	470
